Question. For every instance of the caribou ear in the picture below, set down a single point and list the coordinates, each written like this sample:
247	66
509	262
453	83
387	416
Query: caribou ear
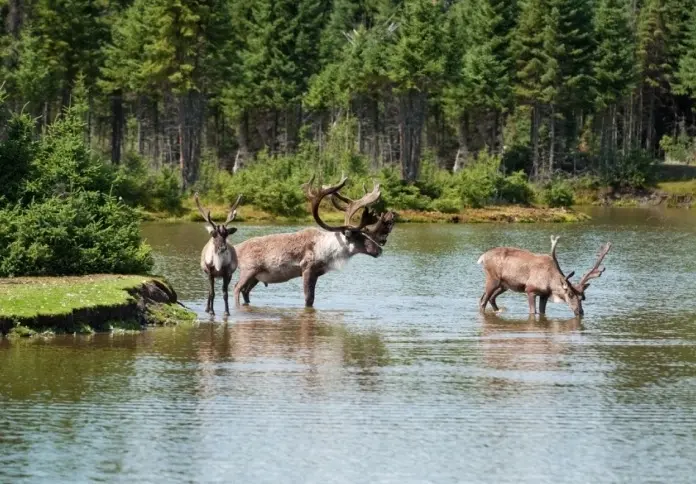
570	275
231	230
209	229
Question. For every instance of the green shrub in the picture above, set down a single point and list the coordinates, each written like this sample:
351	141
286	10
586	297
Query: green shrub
137	184
87	232
448	203
17	151
516	189
478	183
635	170
558	193
64	164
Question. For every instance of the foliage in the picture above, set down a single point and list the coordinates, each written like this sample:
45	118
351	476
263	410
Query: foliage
680	148
87	232
137	184
558	193
17	151
635	170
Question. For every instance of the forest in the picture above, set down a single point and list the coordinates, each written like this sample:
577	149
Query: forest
450	103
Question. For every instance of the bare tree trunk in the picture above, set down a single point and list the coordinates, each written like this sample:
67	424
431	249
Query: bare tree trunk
650	133
534	135
190	120
116	126
156	129
462	158
552	140
15	17
411	119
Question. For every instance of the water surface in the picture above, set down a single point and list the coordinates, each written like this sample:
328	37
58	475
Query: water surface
394	378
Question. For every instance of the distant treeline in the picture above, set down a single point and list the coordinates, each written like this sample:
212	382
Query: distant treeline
550	84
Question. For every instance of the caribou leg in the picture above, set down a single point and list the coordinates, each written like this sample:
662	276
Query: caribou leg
309	277
497	293
531	298
225	286
244	279
491	287
211	295
542	304
247	289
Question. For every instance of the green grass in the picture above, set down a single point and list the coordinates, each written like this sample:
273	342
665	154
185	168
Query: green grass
29	297
679	187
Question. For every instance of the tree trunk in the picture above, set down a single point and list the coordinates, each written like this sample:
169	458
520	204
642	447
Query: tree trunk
552	140
116	126
534	135
15	16
190	121
462	158
156	129
411	119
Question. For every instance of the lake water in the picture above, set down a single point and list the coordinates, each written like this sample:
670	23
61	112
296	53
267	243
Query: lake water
394	378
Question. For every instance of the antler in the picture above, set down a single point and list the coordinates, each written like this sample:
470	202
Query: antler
367	200
596	271
338	196
233	211
554	243
317	197
206	216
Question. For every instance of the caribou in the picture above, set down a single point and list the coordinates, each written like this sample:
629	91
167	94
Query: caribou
536	275
312	252
218	258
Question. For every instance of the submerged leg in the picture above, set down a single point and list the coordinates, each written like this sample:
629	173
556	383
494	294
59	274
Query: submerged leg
531	298
225	286
244	279
247	289
211	294
491	287
497	293
310	281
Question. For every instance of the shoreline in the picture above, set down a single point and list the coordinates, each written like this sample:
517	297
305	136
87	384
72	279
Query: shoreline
87	304
492	214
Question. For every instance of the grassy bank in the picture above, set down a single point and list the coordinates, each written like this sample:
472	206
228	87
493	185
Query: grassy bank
30	305
506	213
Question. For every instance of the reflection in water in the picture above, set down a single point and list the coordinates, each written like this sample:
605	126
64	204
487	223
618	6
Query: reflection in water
395	378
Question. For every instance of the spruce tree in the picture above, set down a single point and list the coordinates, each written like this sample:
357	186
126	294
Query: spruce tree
416	67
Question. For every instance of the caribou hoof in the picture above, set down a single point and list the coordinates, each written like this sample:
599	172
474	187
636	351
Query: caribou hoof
225	314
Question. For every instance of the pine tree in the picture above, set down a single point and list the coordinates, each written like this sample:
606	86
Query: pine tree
416	68
687	63
614	68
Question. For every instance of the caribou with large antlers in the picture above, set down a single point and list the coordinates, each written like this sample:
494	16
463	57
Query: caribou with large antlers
536	275
313	252
218	258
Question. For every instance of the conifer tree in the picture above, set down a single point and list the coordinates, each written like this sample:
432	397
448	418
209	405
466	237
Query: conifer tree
416	67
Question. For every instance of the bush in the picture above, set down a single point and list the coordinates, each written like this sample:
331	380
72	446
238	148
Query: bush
87	232
634	171
448	203
16	153
516	189
63	163
558	193
153	190
478	183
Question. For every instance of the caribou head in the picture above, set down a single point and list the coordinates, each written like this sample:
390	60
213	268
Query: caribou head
567	291
372	231
219	232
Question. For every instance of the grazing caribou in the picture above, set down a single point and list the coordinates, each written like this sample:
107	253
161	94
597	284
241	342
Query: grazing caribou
535	274
313	252
218	258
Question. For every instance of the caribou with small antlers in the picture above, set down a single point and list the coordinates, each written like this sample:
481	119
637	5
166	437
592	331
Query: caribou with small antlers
536	275
312	252
218	258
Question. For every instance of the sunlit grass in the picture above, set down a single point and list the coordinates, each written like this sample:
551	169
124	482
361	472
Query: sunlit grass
33	296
